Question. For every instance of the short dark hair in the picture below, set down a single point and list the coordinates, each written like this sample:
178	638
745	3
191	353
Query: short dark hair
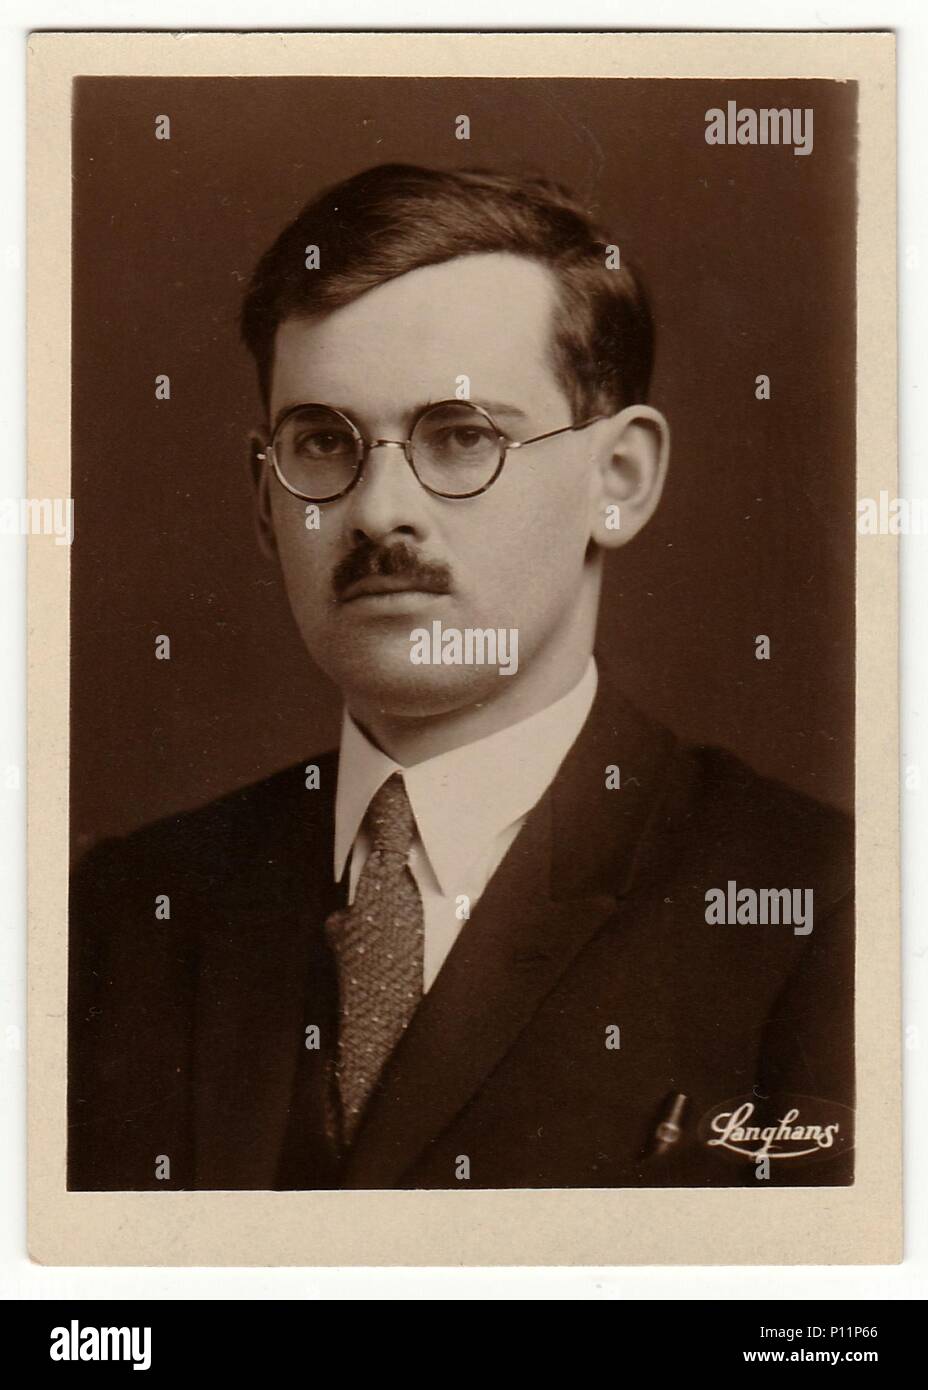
395	218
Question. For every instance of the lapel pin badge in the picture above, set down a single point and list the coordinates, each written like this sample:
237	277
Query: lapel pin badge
670	1127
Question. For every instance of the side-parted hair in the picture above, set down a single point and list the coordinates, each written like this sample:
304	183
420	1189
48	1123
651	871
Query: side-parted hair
396	218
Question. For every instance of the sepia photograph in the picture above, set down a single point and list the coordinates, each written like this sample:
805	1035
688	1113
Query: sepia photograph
463	671
513	929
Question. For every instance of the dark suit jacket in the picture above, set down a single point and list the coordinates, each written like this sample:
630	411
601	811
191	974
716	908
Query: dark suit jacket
187	1035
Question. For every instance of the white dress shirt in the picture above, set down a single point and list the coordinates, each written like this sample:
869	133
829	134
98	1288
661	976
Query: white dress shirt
469	805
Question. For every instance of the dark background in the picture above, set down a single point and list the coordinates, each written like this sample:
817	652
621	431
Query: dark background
749	255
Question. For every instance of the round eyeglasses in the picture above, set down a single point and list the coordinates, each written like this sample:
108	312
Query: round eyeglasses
454	448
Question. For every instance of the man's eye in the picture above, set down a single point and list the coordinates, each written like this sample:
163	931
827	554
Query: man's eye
462	439
469	438
323	444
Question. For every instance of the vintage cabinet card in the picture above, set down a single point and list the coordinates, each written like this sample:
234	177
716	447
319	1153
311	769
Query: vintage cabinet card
463	728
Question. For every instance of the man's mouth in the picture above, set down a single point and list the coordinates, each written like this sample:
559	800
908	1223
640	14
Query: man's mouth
386	584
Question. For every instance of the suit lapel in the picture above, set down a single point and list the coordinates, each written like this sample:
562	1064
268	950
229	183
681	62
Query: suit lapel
555	889
260	985
609	797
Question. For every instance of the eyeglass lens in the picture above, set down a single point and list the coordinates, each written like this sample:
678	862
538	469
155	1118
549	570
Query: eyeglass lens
455	450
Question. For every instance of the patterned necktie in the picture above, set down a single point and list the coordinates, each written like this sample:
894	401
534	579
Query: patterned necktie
378	945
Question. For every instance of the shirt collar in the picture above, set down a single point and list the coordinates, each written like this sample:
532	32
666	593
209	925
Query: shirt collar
464	798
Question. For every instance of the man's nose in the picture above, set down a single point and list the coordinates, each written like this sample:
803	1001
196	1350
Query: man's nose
388	497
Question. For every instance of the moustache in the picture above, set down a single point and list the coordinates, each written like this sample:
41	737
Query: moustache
399	561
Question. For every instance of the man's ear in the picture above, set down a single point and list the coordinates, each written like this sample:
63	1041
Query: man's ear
627	484
260	471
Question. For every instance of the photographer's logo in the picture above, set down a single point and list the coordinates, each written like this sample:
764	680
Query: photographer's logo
789	1127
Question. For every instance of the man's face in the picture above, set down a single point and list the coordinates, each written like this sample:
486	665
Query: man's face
514	557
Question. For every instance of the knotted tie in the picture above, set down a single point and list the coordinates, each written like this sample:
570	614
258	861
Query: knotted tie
378	946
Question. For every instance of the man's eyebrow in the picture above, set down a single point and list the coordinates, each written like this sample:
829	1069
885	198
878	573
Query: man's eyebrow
296	405
500	408
493	408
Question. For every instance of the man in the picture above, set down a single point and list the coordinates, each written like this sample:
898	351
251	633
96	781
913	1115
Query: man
513	933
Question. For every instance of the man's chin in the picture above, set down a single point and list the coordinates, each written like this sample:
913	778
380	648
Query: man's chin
398	688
